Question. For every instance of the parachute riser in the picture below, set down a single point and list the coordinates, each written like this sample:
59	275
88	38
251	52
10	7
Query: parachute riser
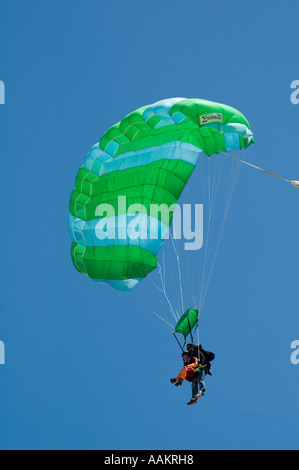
182	347
190	330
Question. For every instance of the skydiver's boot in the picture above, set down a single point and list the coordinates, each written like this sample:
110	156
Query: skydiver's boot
199	394
176	382
193	401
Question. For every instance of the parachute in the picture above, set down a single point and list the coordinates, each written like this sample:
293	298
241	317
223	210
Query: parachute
187	322
140	164
185	325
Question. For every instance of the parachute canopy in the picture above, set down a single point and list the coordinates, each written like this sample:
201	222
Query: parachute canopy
187	322
139	164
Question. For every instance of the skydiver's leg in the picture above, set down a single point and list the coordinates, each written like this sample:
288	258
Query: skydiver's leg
179	378
194	387
201	382
182	374
199	388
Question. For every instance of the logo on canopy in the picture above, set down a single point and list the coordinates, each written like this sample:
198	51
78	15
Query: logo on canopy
213	117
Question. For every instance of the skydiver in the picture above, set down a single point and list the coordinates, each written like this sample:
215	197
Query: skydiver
204	358
191	373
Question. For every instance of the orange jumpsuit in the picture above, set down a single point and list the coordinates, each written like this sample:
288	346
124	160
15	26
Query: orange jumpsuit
189	372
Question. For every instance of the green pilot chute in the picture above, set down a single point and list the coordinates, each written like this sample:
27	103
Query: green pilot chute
187	322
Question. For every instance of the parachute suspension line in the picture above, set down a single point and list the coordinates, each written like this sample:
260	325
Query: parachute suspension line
294	182
232	185
163	319
197	338
228	202
190	331
193	265
207	242
215	191
204	263
204	191
163	290
212	202
142	310
234	178
179	273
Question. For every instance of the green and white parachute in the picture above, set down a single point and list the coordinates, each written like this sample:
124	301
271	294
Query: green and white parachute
144	161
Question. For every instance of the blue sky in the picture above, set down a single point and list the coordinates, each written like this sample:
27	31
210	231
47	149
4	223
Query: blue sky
88	367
